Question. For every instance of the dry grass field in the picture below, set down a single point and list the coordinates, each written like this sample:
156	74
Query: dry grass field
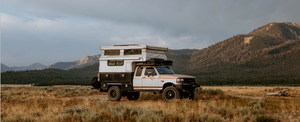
212	104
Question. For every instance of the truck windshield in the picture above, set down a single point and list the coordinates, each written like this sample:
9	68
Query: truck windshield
164	70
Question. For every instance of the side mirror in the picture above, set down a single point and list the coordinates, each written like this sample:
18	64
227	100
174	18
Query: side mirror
149	74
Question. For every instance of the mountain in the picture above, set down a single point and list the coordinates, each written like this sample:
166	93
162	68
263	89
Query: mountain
35	66
85	61
270	52
5	68
273	38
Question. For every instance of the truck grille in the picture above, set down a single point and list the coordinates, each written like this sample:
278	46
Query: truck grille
189	80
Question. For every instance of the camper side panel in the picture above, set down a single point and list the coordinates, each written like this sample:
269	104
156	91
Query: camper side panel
155	54
120	73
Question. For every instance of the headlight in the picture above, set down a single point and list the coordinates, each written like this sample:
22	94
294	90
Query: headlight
180	80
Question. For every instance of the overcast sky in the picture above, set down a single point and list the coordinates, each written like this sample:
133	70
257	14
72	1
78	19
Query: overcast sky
48	31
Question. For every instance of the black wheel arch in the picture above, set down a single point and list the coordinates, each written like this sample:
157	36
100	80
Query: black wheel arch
110	85
167	84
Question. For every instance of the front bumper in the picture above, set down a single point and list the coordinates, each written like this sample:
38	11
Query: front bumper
186	86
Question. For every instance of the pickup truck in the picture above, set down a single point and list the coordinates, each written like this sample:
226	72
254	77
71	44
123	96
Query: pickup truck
127	70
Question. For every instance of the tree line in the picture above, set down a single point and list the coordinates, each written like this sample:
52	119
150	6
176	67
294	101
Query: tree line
77	76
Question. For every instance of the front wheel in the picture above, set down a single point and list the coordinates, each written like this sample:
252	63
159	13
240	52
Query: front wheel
133	95
114	93
170	93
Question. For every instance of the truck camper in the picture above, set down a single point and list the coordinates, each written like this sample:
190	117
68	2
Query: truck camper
127	70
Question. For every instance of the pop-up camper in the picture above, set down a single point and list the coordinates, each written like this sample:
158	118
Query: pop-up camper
127	70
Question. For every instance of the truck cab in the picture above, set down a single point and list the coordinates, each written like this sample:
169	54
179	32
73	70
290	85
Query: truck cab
127	70
155	78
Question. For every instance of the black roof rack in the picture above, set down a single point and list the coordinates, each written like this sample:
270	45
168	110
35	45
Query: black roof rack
155	62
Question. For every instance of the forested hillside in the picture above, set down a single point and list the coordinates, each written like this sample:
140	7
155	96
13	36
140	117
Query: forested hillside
181	51
80	76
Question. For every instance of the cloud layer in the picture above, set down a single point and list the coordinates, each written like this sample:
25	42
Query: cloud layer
65	30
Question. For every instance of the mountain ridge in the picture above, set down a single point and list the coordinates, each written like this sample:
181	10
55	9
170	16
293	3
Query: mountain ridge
34	66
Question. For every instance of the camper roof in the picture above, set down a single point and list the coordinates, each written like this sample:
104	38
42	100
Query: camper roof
132	52
133	46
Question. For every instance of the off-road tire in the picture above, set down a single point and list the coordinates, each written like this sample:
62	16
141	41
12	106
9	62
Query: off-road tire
114	93
170	93
133	95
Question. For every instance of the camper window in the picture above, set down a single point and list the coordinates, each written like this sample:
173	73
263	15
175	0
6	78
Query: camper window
115	62
112	52
132	51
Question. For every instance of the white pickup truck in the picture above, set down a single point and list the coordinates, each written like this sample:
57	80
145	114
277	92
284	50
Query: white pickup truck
127	70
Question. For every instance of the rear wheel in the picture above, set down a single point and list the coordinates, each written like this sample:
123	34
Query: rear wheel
170	93
133	95
114	93
95	83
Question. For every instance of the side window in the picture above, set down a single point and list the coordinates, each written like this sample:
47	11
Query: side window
111	52
139	71
132	51
150	69
115	62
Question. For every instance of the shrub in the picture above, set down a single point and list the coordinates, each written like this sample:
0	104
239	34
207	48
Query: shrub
75	110
224	111
18	118
209	91
264	118
215	118
150	96
73	102
244	110
257	104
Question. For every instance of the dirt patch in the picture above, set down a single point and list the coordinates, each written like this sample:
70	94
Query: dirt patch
16	85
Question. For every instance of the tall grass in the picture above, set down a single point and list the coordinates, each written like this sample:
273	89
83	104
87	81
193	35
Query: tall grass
211	105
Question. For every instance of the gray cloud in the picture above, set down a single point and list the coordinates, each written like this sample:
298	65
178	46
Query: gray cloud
66	30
